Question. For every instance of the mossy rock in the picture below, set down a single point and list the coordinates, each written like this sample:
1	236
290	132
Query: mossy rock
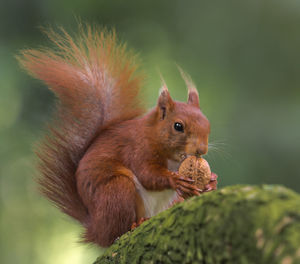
237	224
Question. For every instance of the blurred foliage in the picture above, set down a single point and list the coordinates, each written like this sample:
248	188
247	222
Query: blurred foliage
243	55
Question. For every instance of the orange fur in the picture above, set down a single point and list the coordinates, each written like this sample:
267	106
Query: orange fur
90	75
100	145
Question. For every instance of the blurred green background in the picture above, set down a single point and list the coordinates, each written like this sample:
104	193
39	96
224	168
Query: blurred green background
243	56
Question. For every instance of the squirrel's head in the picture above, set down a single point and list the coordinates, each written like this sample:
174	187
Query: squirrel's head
182	128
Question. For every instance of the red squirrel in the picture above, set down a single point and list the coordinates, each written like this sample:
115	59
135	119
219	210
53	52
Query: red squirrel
105	161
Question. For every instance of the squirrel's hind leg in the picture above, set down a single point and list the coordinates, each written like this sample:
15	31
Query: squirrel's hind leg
117	206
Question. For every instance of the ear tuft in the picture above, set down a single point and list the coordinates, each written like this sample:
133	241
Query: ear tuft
193	96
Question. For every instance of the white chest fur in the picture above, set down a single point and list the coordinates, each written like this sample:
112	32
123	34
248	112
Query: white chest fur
157	201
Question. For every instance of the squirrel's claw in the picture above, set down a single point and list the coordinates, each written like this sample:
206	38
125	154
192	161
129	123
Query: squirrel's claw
133	226
213	177
138	223
179	192
212	184
186	180
184	186
177	177
188	191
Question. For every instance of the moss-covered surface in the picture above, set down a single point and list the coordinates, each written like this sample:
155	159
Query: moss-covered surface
237	224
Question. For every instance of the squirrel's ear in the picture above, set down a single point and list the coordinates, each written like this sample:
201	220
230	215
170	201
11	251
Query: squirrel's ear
165	102
193	99
193	96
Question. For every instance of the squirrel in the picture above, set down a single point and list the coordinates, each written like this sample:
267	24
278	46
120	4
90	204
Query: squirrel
105	160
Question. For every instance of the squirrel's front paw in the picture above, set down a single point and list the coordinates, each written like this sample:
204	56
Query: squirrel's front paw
184	186
212	185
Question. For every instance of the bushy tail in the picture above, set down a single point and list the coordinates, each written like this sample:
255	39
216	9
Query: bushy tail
96	81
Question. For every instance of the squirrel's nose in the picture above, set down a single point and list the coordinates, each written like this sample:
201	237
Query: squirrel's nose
201	150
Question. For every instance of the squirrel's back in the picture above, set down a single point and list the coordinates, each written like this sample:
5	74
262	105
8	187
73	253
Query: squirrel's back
96	82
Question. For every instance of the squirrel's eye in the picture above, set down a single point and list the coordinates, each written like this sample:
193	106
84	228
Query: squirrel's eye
178	126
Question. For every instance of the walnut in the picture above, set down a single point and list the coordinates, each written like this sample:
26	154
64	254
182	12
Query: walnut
197	169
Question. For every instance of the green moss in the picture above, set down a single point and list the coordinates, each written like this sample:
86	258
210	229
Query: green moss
237	224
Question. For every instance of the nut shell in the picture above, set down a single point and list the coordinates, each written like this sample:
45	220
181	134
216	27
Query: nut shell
197	169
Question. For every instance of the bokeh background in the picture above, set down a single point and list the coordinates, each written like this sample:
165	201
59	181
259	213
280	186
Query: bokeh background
243	55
